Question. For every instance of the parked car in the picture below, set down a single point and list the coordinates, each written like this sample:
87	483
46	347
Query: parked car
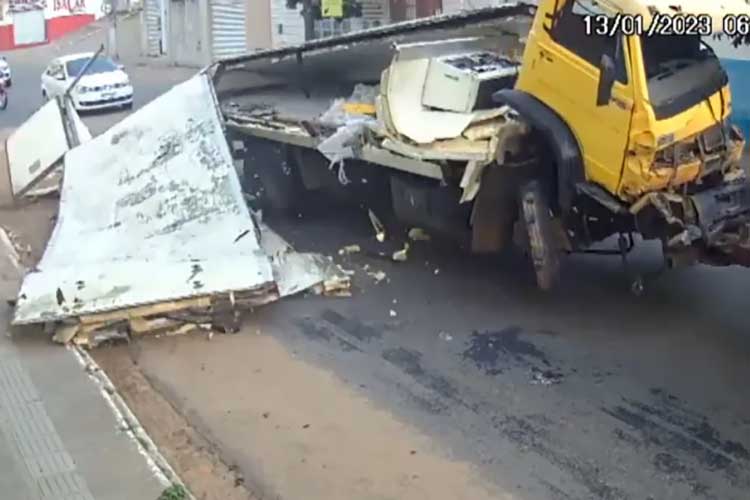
104	85
5	76
3	96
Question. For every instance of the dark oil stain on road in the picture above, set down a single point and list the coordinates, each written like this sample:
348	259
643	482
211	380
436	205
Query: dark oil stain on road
492	352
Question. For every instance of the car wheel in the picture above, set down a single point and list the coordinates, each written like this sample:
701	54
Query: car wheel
44	95
9	83
127	106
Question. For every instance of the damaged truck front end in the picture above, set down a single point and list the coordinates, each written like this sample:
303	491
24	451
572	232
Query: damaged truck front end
703	215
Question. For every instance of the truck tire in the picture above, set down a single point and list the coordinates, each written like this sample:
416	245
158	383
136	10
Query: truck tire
537	217
270	177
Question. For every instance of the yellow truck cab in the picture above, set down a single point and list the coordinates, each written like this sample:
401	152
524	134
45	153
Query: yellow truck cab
632	107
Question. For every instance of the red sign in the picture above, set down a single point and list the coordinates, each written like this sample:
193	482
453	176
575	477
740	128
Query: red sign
69	5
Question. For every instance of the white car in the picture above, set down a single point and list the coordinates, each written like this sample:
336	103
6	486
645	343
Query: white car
5	77
104	85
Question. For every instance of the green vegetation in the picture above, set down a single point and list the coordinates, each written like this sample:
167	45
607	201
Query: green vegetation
174	492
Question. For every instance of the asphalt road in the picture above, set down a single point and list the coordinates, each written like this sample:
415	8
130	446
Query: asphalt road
587	392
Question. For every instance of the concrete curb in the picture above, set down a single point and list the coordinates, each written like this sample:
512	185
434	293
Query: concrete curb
129	422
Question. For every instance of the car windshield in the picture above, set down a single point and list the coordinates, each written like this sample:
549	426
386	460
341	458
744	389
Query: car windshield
681	72
99	65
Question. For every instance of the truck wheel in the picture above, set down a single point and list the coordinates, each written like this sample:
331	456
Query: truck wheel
538	219
270	177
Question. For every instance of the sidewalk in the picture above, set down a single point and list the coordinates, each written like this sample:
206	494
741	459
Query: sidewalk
59	438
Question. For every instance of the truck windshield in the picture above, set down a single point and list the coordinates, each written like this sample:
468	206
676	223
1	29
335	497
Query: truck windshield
681	72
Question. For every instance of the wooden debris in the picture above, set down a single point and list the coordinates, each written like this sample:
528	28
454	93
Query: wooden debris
149	310
65	333
218	312
401	255
350	249
338	286
418	234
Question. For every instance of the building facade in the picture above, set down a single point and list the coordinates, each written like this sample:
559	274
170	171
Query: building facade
25	23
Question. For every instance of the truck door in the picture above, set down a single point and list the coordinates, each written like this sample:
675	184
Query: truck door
567	77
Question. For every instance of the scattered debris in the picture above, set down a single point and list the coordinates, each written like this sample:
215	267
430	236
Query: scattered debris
350	249
22	250
377	225
418	234
338	286
446	336
378	276
401	255
142	218
546	377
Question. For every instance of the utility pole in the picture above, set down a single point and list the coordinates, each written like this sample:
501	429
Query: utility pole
110	9
308	14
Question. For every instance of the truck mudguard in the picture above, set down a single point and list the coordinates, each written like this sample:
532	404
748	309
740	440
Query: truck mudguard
562	142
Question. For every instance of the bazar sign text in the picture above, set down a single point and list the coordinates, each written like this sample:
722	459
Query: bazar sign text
69	5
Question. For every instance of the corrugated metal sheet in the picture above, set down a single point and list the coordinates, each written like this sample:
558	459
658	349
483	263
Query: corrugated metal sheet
150	211
228	34
288	27
152	13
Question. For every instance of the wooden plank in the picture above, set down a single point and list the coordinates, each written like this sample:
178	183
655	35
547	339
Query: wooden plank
149	310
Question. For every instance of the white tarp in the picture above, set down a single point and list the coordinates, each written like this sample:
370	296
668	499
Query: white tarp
150	211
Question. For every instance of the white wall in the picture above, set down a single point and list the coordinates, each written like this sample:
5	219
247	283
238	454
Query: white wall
287	25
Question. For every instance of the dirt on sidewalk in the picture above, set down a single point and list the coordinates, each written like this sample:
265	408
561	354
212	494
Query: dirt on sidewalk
294	430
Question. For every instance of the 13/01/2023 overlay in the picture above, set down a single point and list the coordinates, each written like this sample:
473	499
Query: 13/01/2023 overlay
660	25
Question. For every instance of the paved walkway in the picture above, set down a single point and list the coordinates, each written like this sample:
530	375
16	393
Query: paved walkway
59	438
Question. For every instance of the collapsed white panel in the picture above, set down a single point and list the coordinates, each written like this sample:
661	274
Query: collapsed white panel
150	211
36	146
51	183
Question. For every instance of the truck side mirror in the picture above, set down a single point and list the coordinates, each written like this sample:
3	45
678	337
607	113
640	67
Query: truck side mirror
606	80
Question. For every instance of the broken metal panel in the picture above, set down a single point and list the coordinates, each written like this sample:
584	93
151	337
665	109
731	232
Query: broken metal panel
36	146
403	98
295	272
35	164
150	211
458	149
435	90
